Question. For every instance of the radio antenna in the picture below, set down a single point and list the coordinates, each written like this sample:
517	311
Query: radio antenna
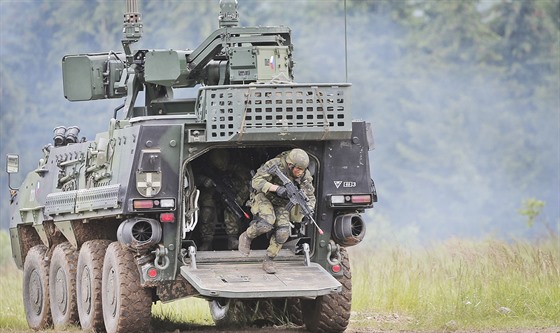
345	44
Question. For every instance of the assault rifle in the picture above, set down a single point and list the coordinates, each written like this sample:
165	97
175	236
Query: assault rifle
295	195
226	191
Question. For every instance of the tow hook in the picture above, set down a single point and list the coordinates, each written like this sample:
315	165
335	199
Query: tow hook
161	261
333	257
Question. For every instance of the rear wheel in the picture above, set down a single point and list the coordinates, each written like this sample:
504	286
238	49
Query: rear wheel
331	313
36	288
62	285
88	284
126	305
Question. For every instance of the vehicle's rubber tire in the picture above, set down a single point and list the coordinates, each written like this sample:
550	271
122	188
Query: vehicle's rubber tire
36	288
126	305
62	285
331	313
88	284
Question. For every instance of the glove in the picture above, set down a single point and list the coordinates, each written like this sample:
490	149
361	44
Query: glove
305	221
282	192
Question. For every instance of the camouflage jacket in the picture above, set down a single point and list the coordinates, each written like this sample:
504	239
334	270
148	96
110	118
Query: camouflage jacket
263	180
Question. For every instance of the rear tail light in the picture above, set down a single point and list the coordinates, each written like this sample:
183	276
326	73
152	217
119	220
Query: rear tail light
337	200
361	199
143	204
157	204
336	268
167	217
152	273
167	203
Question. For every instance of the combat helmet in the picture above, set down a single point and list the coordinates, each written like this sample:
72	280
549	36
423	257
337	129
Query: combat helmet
298	157
219	158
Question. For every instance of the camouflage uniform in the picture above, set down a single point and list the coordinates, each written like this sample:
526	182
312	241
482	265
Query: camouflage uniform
269	209
235	176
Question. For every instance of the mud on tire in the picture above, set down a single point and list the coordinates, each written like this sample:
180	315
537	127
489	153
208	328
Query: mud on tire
62	285
331	313
126	305
36	288
88	284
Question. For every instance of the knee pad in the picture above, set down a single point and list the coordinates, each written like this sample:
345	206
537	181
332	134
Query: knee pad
263	227
281	234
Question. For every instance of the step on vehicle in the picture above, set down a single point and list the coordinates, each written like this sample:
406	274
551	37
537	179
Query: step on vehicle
103	228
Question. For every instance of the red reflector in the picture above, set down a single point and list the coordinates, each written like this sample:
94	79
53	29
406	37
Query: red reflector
361	199
143	204
152	272
336	268
167	217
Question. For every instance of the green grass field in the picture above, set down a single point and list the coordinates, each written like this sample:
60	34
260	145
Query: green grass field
455	285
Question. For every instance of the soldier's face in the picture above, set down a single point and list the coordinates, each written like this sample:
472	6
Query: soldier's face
297	172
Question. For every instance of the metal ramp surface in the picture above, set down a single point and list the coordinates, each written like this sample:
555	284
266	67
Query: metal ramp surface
248	280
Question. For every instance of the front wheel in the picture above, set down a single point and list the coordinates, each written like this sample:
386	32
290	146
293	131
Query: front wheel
331	313
36	288
126	305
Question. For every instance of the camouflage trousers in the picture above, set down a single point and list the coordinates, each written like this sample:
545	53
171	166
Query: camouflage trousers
268	217
209	209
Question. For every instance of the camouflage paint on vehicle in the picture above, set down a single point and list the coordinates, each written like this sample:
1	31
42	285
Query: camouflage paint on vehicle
132	190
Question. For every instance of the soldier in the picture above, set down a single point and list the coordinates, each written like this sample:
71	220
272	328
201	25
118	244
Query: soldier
268	202
218	176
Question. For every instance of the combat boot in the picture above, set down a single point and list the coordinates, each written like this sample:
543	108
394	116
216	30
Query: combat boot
268	265
244	244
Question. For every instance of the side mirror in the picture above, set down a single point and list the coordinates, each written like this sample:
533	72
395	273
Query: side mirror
12	163
12	166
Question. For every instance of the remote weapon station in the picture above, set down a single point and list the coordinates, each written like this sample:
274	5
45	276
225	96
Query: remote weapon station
105	227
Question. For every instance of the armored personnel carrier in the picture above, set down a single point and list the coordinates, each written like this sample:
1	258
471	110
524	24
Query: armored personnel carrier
102	228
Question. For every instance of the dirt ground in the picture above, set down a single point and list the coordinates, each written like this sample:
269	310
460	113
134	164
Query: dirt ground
213	329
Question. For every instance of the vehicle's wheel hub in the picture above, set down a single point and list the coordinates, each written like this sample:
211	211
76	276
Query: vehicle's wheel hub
60	289
35	292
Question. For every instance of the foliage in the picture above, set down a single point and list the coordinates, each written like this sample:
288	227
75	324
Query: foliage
531	209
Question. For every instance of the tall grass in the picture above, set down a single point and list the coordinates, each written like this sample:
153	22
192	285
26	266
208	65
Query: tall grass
459	284
12	315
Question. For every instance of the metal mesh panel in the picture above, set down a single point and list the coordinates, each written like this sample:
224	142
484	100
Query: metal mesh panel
290	111
103	197
60	202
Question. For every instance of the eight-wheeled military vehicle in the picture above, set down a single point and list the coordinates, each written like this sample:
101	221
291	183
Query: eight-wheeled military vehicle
103	228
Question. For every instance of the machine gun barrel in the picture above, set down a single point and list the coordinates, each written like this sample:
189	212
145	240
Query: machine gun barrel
295	195
226	192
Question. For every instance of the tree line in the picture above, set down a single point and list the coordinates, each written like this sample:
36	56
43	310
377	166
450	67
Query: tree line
463	95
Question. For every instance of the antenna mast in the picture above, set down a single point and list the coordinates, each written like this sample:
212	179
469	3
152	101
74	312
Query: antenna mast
345	44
